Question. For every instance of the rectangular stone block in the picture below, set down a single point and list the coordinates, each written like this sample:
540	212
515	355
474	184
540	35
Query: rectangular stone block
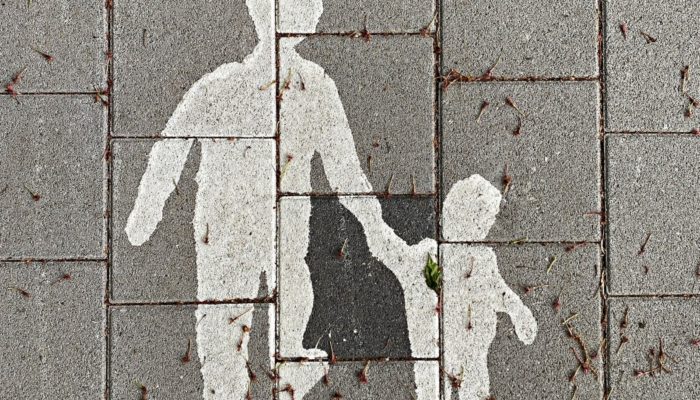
542	152
648	45
653	348
338	297
358	380
357	108
52	172
52	330
342	16
60	46
192	352
522	39
653	223
160	52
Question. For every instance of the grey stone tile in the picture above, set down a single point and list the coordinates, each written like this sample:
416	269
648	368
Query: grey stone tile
650	180
384	380
553	163
355	297
165	267
52	177
540	370
149	342
390	114
373	15
671	323
52	337
159	52
170	252
643	80
530	39
71	32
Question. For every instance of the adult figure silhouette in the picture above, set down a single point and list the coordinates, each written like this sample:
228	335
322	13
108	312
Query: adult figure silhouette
234	220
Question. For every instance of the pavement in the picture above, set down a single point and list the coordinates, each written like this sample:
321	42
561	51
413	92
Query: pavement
301	275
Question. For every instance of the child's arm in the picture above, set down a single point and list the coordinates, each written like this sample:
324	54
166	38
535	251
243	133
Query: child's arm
521	316
165	163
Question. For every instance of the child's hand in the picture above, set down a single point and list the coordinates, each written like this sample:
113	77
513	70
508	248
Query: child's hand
525	325
427	247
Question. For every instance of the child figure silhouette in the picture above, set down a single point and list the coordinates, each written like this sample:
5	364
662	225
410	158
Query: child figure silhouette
474	291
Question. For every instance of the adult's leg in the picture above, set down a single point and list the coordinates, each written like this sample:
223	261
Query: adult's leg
235	218
296	291
223	349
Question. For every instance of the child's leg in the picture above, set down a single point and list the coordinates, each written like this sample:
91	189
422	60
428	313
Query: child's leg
222	349
296	291
476	378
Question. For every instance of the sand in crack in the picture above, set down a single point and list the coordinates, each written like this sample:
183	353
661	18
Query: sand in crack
258	347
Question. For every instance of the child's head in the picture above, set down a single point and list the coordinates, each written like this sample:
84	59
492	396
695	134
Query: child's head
470	210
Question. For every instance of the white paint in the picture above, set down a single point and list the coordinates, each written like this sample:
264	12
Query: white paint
296	291
165	164
299	16
235	201
313	120
234	220
236	204
470	210
427	376
473	290
223	366
229	101
302	377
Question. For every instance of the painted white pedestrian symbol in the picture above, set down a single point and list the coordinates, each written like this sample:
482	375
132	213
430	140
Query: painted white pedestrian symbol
474	290
235	223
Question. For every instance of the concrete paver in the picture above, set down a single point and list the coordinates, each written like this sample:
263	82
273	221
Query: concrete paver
390	114
52	330
159	52
162	349
173	248
60	46
52	171
547	144
561	294
358	380
658	357
374	16
645	89
524	39
346	278
653	245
